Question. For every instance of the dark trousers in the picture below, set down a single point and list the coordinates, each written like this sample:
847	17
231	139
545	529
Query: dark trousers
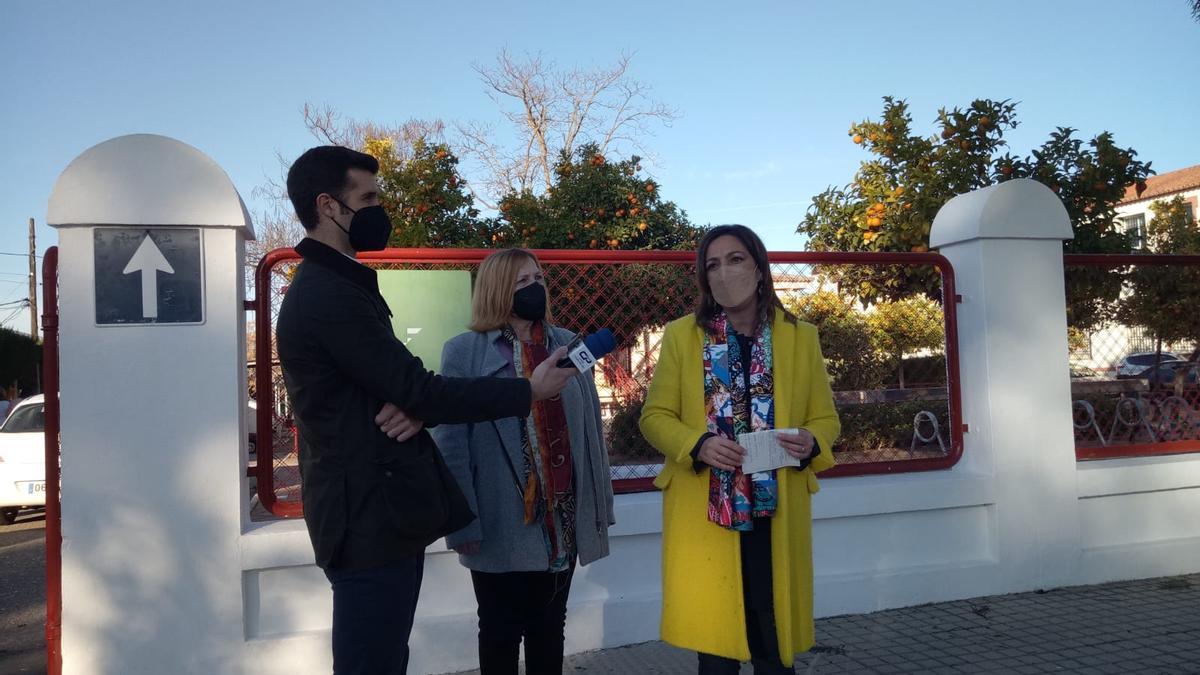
757	598
522	605
373	612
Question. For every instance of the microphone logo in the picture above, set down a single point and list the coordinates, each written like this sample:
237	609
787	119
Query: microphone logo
583	353
581	357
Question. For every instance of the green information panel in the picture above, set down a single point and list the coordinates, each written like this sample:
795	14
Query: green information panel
428	308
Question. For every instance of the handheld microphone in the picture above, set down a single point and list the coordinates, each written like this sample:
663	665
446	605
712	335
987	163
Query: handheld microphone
583	353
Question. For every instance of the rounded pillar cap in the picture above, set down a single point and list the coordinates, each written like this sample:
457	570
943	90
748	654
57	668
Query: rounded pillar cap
146	179
1015	209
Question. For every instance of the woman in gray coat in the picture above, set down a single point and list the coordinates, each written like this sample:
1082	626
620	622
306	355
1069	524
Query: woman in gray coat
540	485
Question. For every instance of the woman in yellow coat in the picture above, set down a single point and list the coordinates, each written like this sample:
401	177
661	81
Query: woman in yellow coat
737	548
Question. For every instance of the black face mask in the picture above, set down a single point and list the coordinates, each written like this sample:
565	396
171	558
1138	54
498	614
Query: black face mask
369	228
529	303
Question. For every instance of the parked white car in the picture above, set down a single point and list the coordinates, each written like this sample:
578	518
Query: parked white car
1139	362
23	458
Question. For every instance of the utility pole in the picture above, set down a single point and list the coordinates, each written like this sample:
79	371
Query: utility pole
33	306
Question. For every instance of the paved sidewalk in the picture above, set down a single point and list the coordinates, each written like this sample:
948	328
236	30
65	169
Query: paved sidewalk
1147	626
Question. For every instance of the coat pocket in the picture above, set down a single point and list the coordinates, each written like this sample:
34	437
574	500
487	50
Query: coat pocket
813	485
412	497
421	497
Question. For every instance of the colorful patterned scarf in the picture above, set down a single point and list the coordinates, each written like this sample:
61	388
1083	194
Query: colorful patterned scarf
735	499
546	441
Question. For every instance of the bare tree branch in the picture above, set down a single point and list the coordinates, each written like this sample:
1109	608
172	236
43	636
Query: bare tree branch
554	111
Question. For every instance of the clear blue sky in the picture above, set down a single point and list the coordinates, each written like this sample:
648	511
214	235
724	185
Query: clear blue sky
767	90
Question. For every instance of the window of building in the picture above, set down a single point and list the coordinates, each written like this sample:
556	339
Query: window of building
1135	227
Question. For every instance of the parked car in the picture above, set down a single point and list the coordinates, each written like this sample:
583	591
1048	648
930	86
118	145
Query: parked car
23	458
1138	362
1168	373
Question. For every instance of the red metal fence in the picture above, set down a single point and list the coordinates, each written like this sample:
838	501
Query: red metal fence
895	373
53	425
1133	325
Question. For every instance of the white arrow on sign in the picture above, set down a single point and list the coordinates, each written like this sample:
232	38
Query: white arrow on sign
148	260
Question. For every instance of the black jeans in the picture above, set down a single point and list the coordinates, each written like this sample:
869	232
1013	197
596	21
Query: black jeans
757	592
373	612
516	605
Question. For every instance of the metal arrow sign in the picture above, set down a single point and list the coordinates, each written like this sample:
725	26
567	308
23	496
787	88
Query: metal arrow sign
149	261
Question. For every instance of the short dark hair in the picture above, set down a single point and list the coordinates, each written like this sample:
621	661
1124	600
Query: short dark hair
322	170
707	307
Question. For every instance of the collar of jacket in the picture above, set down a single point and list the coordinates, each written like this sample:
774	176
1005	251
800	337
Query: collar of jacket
326	256
497	358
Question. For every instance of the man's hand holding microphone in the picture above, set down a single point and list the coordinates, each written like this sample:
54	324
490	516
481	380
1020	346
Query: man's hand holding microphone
548	380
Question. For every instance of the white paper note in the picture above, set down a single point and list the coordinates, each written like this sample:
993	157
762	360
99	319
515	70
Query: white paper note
763	451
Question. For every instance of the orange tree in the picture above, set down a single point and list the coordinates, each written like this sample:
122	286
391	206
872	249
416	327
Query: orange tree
847	339
596	204
426	197
891	203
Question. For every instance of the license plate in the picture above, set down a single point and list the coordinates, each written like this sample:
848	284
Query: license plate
32	487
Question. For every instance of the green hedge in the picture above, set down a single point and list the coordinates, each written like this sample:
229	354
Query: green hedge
871	426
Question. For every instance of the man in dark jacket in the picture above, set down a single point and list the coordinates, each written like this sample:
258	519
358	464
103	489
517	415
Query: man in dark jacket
375	489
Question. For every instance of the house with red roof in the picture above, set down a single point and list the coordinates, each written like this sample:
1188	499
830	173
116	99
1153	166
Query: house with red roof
1133	211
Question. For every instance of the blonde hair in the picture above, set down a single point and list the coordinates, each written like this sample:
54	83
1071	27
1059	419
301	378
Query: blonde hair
492	298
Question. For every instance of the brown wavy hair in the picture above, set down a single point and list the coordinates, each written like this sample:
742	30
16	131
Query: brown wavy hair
768	303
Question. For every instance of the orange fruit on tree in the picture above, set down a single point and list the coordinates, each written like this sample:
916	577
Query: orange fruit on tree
858	139
642	226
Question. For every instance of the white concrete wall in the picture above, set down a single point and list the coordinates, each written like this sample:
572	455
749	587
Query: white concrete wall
152	424
163	572
151	490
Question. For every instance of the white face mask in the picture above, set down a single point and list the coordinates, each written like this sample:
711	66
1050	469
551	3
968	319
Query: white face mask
733	286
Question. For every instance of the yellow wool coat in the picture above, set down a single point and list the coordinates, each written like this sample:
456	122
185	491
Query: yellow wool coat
702	571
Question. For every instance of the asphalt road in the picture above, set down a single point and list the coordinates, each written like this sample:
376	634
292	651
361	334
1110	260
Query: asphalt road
23	595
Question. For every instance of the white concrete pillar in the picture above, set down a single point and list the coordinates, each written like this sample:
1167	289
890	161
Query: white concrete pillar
1005	243
151	241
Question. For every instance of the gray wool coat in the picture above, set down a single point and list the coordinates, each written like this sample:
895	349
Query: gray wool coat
476	453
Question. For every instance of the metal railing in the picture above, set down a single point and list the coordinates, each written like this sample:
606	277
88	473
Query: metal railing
901	408
1132	393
